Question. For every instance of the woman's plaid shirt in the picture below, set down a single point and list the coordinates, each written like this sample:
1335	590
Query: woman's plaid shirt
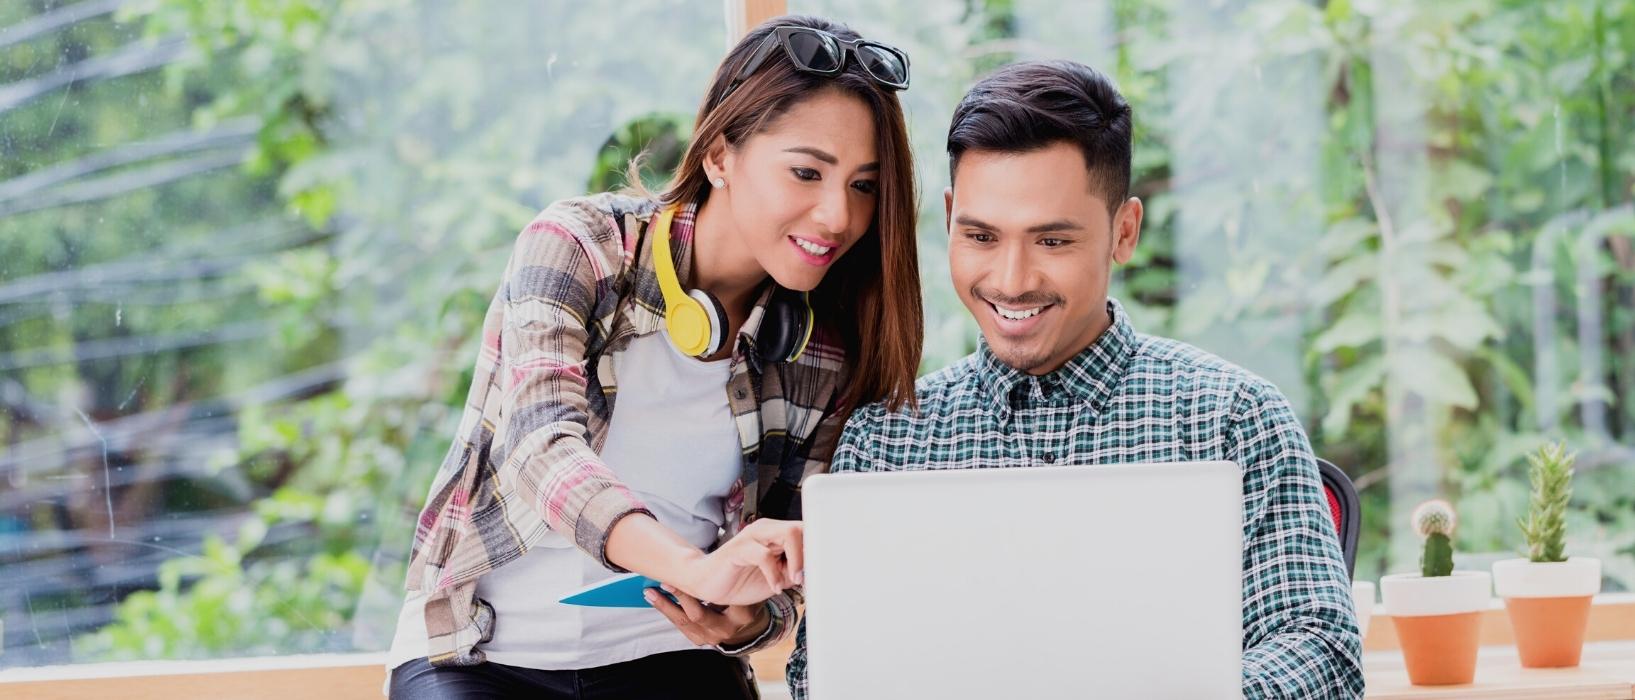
579	286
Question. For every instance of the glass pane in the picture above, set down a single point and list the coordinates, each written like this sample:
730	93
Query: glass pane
244	253
1414	219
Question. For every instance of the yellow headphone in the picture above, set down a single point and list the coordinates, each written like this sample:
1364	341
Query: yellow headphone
697	322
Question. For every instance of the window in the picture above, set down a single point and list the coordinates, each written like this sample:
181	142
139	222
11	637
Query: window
245	249
1416	221
246	253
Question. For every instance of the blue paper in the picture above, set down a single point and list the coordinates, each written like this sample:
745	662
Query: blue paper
618	592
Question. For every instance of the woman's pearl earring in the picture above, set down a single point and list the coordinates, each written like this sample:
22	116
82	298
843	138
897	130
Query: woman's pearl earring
719	183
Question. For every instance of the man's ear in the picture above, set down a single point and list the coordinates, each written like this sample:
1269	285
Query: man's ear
1126	230
948	209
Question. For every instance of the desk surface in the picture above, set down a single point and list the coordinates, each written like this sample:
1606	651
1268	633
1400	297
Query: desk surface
1608	671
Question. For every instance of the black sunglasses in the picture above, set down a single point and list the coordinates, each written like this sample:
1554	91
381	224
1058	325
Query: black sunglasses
817	51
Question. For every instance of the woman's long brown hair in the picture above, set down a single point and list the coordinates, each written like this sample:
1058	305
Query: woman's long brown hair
871	297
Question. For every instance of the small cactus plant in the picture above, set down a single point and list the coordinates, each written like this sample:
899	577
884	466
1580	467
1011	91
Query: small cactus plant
1545	527
1435	521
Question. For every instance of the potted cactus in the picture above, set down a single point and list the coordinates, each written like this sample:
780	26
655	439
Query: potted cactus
1437	612
1548	593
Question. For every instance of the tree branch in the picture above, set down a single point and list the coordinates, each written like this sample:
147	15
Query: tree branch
52	20
136	57
131	296
114	185
42	454
232	133
270	234
134	345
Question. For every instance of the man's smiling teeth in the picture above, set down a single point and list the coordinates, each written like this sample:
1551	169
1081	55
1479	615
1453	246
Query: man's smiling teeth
812	248
1019	315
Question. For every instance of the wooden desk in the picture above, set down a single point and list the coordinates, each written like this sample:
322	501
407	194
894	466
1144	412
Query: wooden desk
1607	672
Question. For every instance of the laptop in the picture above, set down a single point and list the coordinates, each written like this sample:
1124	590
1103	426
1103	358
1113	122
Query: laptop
1120	581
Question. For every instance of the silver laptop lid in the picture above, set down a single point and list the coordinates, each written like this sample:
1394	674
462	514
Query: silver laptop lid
1042	582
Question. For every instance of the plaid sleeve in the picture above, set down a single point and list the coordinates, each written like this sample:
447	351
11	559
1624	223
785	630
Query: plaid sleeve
850	455
551	289
1299	630
795	672
784	608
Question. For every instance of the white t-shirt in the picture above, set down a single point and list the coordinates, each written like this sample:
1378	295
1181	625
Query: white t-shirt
673	441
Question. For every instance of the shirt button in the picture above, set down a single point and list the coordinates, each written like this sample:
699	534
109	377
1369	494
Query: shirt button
740	393
1050	458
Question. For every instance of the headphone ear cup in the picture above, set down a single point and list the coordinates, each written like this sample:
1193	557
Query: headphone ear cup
785	330
802	327
718	320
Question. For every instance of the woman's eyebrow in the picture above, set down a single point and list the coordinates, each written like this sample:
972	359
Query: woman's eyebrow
829	158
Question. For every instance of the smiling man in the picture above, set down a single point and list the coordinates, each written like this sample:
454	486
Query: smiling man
1038	215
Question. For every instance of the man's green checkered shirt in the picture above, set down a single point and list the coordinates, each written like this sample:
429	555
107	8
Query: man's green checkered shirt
1132	398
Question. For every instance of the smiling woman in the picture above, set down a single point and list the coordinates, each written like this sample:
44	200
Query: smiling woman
831	164
777	213
789	218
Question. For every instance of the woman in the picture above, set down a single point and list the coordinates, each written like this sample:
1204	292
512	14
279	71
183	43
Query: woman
658	374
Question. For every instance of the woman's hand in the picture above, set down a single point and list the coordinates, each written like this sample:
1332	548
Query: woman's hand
733	625
764	559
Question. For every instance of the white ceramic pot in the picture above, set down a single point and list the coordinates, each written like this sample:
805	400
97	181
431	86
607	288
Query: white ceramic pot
1549	607
1362	598
1521	578
1413	595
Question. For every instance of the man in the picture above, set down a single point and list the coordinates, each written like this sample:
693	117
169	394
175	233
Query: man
1038	214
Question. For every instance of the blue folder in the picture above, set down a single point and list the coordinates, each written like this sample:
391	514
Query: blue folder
618	592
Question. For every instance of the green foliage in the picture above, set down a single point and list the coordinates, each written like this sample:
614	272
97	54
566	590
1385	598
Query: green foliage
660	140
419	164
1545	527
220	601
1462	149
1456	153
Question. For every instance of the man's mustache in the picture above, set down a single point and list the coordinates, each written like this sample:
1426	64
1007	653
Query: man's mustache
1029	299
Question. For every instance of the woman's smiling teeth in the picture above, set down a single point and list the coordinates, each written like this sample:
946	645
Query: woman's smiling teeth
813	248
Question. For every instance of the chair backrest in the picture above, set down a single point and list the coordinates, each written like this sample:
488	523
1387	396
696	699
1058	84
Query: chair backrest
1345	508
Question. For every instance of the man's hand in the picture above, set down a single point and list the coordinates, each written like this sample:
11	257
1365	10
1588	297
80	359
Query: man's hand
707	625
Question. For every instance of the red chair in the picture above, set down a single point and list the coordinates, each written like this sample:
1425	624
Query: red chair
1346	509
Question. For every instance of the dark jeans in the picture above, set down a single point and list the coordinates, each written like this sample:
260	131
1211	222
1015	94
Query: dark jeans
677	675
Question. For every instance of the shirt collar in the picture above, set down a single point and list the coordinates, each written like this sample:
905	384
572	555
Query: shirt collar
682	226
1088	378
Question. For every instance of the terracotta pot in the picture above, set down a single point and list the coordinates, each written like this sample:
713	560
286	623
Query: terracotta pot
1549	607
1438	622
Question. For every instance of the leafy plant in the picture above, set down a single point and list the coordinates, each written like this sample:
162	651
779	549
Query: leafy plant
1545	527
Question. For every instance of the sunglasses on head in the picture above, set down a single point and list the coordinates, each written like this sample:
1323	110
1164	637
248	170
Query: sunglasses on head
817	51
